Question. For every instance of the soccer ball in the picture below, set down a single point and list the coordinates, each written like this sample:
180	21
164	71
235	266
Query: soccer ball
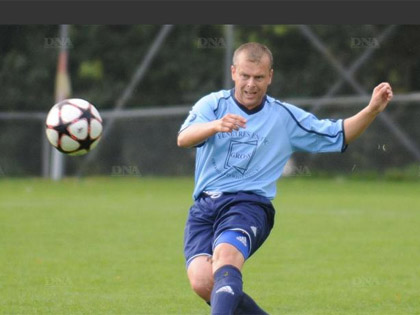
74	126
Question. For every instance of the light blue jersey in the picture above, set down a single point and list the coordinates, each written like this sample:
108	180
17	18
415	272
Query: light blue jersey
252	159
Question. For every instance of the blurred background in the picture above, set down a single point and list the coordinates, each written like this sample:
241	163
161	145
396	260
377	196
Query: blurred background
144	79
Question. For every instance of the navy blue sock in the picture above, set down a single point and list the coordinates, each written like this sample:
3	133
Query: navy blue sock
227	290
247	306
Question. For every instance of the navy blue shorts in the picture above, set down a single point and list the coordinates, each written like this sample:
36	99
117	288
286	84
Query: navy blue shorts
210	215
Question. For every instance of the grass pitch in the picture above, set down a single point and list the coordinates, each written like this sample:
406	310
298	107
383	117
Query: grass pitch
114	246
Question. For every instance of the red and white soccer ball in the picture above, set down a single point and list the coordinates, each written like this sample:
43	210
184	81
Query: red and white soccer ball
74	126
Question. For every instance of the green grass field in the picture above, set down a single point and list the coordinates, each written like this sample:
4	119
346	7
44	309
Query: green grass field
114	246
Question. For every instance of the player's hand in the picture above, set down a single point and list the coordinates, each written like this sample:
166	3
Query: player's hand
230	122
381	96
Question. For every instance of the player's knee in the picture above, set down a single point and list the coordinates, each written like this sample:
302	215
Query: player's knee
227	254
202	287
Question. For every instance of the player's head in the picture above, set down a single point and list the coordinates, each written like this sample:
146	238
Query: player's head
252	71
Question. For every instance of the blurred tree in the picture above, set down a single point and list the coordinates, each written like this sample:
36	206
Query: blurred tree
103	59
27	67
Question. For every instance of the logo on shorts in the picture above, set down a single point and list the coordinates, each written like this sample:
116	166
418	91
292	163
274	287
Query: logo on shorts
240	155
254	230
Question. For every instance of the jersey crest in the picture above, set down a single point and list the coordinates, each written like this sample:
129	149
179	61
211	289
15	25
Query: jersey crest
240	155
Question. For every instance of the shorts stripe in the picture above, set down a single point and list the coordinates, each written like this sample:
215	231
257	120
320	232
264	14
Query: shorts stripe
201	254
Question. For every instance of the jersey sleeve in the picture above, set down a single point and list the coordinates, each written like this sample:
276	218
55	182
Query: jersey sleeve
309	134
202	111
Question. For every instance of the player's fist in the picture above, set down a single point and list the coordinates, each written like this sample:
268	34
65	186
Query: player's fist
381	96
230	122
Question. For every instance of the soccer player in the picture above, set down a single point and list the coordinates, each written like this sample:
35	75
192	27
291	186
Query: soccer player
244	138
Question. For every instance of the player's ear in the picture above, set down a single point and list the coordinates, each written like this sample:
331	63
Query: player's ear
270	76
233	71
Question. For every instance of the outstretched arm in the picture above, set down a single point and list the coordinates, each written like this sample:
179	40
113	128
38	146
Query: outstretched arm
198	133
354	126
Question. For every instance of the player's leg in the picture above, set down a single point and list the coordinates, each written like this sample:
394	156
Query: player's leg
198	242
227	295
200	275
242	229
227	289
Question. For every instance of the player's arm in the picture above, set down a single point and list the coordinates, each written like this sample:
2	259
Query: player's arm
198	133
354	126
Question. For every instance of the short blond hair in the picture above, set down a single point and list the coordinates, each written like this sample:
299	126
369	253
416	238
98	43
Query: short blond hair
254	52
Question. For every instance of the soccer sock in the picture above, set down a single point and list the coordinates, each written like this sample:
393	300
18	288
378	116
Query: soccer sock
248	306
227	290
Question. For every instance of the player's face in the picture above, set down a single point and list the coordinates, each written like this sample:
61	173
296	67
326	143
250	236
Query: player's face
251	80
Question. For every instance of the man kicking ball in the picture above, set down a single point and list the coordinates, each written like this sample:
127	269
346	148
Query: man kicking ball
244	138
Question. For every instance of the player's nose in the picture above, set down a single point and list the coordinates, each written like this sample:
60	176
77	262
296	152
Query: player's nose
251	82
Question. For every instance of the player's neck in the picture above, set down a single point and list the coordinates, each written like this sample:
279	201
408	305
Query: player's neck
249	109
